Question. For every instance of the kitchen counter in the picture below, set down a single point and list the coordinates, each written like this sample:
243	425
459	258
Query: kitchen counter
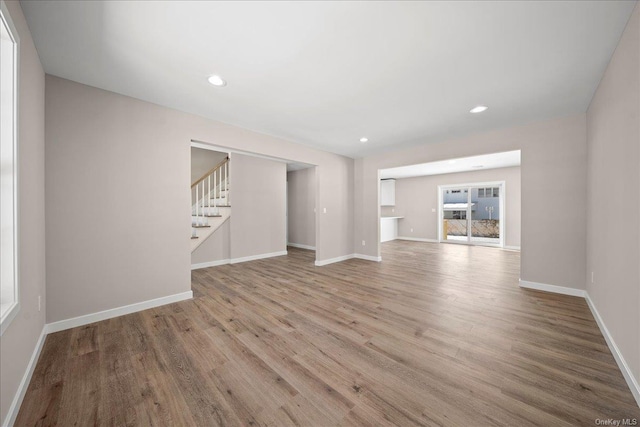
389	228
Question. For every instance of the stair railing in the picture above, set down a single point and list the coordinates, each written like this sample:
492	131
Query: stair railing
213	185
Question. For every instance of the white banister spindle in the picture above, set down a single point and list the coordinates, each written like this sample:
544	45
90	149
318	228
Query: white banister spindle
200	221
217	190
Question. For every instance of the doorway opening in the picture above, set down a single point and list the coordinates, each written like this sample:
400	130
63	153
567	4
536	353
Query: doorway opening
472	214
483	202
264	221
301	206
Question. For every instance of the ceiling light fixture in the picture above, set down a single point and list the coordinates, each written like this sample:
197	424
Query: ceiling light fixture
364	139
451	162
217	81
478	109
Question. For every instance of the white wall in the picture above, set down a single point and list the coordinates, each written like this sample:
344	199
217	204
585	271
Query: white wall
613	224
301	202
553	173
19	340
130	242
416	197
203	160
258	206
215	248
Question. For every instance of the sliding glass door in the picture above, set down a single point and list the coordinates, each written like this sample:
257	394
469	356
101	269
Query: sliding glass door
472	214
455	214
485	218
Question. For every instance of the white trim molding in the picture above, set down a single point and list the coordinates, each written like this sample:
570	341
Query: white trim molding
210	264
346	257
622	364
417	239
553	288
512	248
298	245
368	257
333	260
8	316
236	260
11	203
632	382
115	312
256	257
12	414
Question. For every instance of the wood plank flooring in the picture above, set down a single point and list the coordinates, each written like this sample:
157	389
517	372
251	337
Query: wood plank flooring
435	334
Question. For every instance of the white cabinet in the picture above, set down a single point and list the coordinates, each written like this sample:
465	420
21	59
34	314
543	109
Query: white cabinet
388	192
389	228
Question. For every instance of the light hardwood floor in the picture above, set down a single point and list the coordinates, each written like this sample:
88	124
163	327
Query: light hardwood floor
435	334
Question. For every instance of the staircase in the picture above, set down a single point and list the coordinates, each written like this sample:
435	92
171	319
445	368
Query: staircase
210	203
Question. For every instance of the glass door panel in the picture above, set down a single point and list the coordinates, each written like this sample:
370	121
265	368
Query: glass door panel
455	226
485	214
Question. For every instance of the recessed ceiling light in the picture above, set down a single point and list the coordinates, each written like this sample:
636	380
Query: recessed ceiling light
478	109
217	80
451	162
364	139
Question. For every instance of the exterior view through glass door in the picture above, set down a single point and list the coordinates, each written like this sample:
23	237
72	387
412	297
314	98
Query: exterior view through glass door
472	214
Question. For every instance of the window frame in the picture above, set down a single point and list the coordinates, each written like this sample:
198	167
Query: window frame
10	312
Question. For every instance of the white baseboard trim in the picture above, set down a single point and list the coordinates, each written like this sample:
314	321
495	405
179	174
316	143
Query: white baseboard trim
553	288
512	248
622	364
10	419
209	264
346	257
368	257
333	260
255	257
632	382
417	239
115	312
298	245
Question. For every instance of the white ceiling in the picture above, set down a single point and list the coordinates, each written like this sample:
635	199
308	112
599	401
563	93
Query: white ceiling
327	73
487	161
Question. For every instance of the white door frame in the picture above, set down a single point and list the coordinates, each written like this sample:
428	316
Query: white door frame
501	184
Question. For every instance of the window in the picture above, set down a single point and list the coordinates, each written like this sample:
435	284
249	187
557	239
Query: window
9	305
489	192
459	215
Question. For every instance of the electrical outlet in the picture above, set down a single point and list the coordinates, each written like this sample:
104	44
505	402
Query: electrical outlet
393	210
433	209
592	277
39	303
364	243
324	210
412	230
